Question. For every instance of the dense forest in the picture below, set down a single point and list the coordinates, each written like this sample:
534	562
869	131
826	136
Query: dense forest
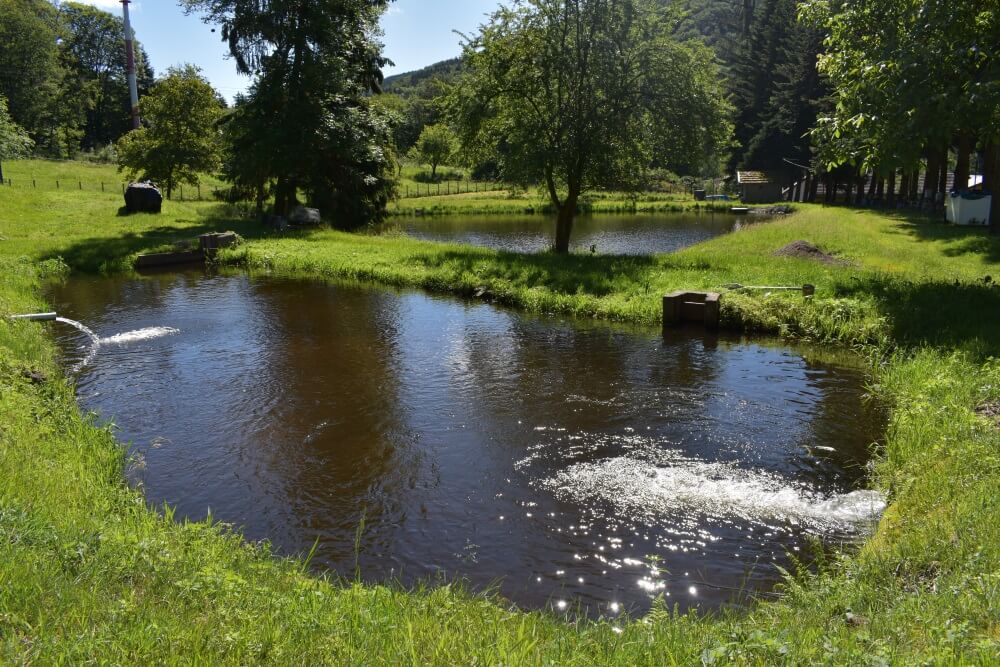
62	72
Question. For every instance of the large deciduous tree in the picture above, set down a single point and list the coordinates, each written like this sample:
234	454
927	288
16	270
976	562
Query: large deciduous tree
578	94
181	139
911	78
305	124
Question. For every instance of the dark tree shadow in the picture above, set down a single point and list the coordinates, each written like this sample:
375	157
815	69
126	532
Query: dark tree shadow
92	254
565	274
940	313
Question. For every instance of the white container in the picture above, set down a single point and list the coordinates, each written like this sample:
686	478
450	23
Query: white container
969	208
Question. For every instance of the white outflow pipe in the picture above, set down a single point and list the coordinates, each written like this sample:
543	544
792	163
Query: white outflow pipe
36	317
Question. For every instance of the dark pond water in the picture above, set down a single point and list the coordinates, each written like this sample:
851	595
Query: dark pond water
641	234
571	464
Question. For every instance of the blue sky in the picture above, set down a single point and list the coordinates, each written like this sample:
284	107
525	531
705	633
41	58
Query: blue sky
417	33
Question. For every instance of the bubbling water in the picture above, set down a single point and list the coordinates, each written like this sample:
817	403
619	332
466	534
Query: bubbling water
678	484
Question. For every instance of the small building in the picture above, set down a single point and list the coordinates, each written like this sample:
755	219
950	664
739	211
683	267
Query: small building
758	187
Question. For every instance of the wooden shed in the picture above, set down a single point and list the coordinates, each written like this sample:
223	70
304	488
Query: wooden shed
758	187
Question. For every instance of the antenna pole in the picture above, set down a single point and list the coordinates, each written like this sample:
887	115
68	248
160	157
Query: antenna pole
133	89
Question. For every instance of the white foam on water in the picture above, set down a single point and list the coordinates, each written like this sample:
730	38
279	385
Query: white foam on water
139	335
96	341
635	486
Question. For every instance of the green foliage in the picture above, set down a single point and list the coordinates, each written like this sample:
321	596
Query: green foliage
62	69
14	141
909	76
181	138
306	124
419	98
582	94
94	52
776	89
436	145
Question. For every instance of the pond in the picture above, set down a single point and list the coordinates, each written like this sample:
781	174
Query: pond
633	234
572	464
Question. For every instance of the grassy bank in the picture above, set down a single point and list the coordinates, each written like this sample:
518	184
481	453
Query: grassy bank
88	573
515	202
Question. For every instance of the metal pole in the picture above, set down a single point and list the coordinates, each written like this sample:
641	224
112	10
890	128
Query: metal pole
133	89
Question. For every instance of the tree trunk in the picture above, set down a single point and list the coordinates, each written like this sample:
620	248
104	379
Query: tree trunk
930	182
915	184
943	176
904	187
880	191
434	170
564	223
873	187
962	162
891	198
2	181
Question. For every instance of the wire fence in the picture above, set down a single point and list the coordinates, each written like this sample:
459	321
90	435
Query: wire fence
412	191
215	192
181	193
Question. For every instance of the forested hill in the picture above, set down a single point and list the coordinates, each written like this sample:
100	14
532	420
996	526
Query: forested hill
408	82
717	22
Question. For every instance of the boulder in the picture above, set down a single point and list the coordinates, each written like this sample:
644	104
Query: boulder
143	197
305	216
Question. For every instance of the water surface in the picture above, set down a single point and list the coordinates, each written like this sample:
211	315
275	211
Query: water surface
631	234
571	464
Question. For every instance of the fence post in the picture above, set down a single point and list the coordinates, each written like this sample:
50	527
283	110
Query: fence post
33	186
102	186
182	193
81	184
57	184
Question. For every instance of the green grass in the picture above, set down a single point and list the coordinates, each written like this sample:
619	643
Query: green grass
89	574
63	176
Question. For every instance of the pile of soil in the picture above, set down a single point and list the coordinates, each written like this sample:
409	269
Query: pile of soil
990	411
806	250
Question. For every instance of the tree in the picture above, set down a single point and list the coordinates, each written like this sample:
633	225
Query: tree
30	67
578	94
315	64
181	139
14	140
776	89
436	145
911	78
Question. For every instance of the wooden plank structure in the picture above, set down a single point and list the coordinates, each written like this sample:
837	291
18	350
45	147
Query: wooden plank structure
700	307
209	245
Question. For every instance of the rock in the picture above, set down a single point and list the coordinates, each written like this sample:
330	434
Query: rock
143	197
305	216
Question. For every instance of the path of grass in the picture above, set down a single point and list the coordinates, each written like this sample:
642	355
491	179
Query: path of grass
88	573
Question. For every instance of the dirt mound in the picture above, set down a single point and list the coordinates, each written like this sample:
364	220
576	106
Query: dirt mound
990	411
806	250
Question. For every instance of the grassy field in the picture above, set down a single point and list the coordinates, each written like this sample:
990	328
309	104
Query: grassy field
89	574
